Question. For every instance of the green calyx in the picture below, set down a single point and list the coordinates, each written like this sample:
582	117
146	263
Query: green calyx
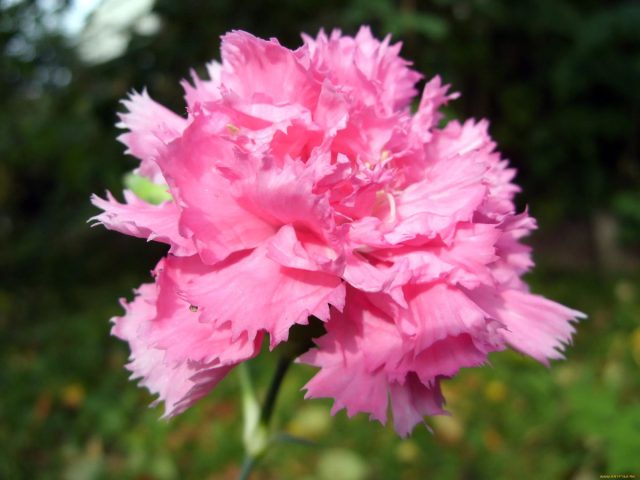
146	190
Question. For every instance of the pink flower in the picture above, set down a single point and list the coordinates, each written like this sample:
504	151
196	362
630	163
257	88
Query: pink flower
303	185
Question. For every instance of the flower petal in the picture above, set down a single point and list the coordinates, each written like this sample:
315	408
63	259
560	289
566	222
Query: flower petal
151	127
177	371
412	401
144	220
533	324
254	69
254	293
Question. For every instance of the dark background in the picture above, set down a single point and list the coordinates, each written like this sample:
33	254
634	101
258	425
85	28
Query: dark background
559	81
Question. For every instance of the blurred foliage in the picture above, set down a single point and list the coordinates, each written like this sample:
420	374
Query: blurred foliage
559	81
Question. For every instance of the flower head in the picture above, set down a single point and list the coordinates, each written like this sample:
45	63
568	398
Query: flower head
302	185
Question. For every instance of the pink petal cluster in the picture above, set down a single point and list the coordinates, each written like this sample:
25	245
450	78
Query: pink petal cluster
302	184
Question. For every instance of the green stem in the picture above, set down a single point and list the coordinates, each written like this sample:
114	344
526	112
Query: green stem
270	400
257	420
247	467
256	435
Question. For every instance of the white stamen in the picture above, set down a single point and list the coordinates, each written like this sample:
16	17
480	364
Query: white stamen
392	207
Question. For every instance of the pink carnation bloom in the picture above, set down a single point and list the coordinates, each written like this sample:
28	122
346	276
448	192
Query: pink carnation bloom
302	184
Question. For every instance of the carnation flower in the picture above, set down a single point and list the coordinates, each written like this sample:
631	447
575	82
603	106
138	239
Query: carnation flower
302	185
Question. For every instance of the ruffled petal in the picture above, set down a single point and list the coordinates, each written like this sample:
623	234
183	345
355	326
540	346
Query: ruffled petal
371	70
211	213
450	193
232	201
412	401
427	117
534	325
177	371
361	366
140	219
438	312
345	375
203	91
253	293
150	127
200	341
303	250
468	259
264	71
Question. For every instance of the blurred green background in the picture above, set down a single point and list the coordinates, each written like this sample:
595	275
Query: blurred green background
560	82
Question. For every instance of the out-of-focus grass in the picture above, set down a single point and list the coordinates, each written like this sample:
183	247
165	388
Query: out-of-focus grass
68	410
